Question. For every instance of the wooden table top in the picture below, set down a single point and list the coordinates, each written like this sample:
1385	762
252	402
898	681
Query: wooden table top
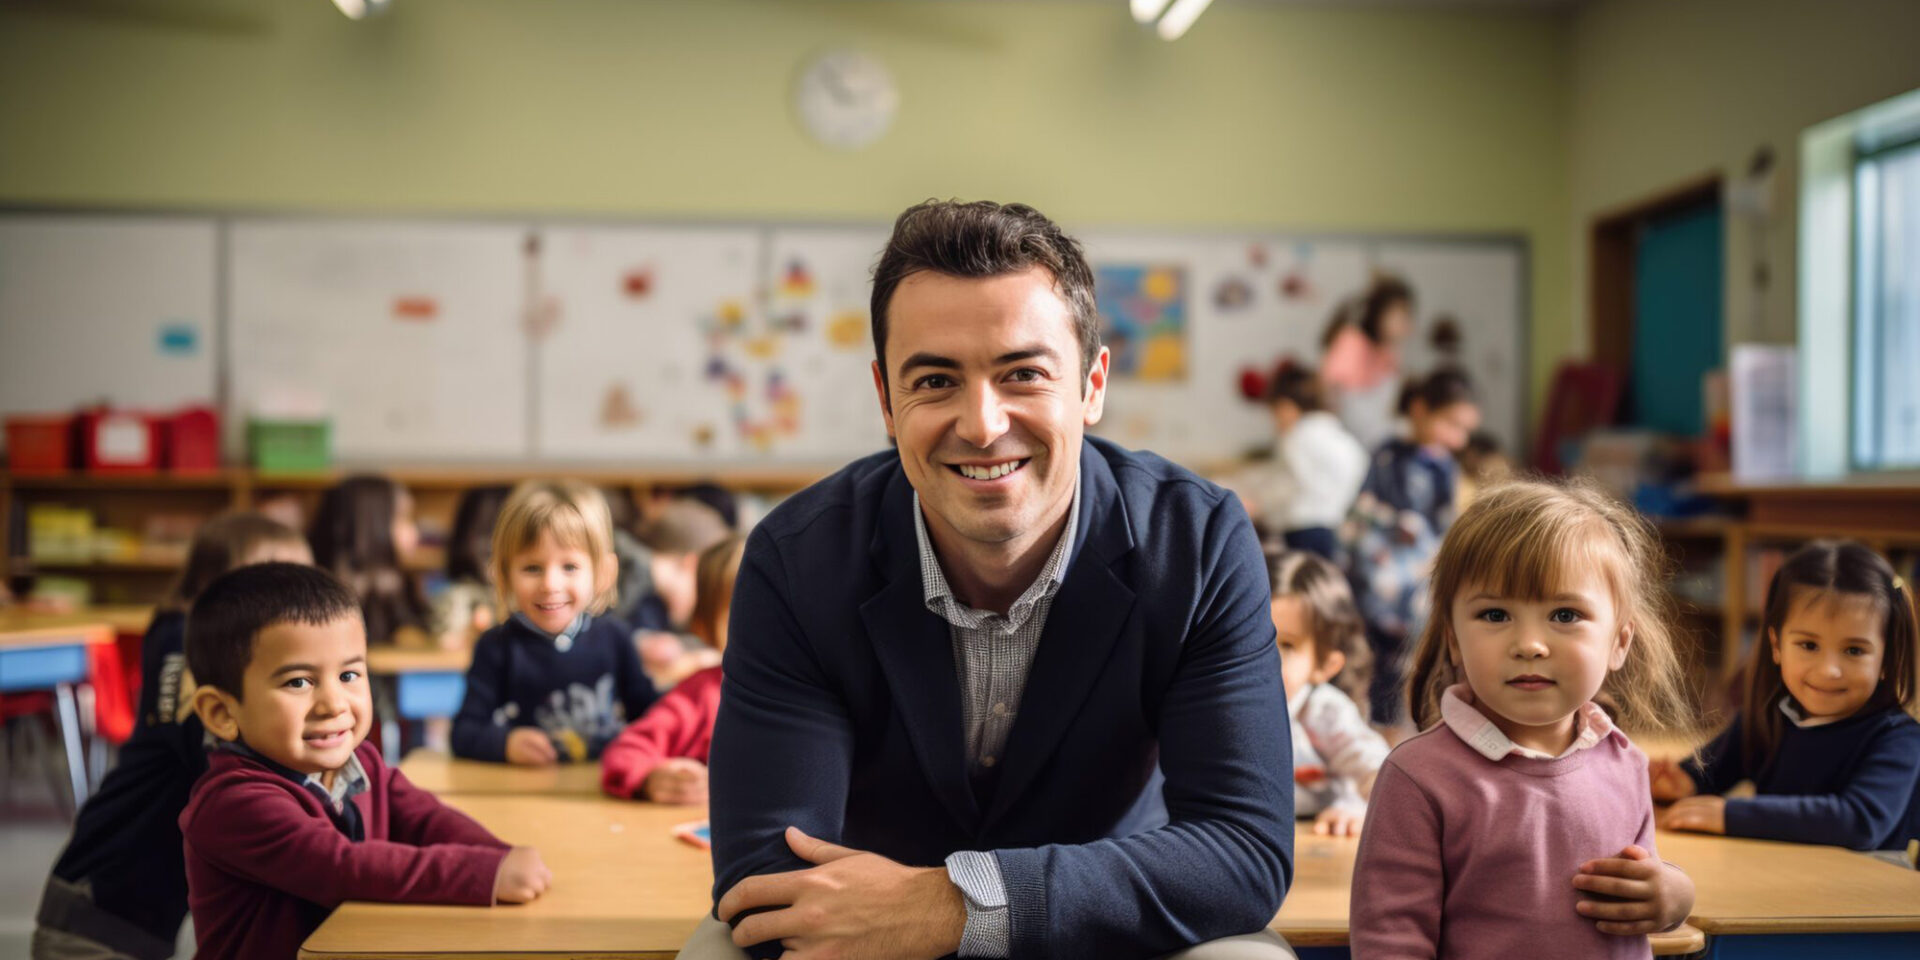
1759	886
624	888
388	661
22	628
453	778
1315	913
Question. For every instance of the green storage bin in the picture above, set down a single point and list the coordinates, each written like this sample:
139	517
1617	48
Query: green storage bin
291	446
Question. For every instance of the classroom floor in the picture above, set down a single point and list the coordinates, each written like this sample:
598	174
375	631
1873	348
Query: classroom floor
33	828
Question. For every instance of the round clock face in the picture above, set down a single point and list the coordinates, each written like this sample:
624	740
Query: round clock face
845	99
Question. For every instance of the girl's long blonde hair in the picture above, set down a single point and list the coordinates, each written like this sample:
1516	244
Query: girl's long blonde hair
1522	539
575	514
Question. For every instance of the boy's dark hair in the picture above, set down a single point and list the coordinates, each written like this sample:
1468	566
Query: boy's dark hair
1441	389
1298	385
230	613
985	239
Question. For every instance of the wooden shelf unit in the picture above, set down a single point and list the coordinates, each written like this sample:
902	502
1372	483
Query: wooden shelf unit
124	501
1882	512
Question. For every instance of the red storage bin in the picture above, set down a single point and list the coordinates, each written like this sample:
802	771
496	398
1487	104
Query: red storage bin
119	441
40	445
193	441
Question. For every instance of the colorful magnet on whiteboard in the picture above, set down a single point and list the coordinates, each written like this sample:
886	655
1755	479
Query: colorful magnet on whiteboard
763	348
732	314
1294	286
638	283
179	338
703	435
848	329
1232	295
617	410
798	282
793	321
1257	256
416	309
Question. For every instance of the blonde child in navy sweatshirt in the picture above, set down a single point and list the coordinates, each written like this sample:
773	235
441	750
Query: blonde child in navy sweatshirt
556	680
1824	731
296	813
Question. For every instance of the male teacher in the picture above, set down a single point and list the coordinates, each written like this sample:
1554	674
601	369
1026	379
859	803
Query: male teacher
957	669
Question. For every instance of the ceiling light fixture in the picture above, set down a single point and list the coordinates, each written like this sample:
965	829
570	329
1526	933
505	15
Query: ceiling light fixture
362	9
1147	11
1179	18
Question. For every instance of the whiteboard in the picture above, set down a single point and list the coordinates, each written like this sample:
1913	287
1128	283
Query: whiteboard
408	334
1238	314
120	308
639	314
819	282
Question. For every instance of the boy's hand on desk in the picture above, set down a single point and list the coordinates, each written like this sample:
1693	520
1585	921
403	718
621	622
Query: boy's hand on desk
1644	895
522	877
1335	822
1699	814
1669	782
531	747
851	905
678	780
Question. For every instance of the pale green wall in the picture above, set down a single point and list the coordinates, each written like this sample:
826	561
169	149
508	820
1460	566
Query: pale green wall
1665	91
1265	114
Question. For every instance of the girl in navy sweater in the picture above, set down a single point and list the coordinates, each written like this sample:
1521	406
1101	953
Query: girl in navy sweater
557	680
120	886
1824	731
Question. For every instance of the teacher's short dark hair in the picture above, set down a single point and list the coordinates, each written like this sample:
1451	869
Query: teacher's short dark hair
985	239
229	614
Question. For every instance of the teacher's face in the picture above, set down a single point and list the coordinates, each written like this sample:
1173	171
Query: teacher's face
984	397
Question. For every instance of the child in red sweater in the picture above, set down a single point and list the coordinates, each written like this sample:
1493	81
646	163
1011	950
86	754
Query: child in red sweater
663	755
296	814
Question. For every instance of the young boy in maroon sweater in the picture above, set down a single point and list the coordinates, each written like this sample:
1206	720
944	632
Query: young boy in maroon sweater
295	813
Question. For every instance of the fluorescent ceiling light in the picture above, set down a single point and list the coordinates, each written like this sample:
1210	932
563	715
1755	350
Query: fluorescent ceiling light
362	9
1145	11
1180	17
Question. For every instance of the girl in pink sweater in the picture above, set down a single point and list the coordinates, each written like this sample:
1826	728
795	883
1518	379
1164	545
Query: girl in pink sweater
663	755
1519	823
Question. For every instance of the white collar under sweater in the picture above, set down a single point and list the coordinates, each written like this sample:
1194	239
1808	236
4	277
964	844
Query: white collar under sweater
1475	730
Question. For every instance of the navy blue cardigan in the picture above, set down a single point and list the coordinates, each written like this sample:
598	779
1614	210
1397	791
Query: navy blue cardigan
840	713
1854	783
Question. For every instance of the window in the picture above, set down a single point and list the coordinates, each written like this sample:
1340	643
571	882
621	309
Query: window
1886	340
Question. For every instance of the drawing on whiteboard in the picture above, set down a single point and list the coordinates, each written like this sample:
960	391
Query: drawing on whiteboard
415	308
797	284
1232	295
848	330
617	411
1295	285
179	338
637	283
760	417
1143	312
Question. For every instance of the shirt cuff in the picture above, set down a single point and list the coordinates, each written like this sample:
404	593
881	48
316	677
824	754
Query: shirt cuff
988	932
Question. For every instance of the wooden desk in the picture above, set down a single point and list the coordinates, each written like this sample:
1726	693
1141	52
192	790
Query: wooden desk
48	651
1757	898
1314	918
623	888
450	777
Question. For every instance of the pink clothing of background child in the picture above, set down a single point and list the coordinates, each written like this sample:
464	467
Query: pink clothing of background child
679	725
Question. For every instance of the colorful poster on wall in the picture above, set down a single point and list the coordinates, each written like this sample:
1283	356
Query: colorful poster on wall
1143	319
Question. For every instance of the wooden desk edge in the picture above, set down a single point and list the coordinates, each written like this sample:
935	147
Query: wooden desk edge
1785	925
61	636
1677	942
